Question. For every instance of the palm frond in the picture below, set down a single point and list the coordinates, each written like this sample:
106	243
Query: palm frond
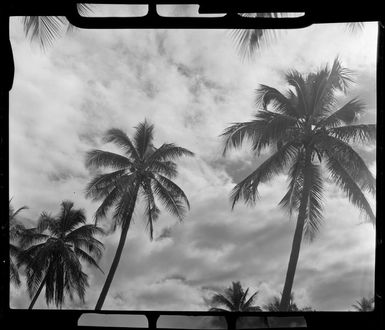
347	115
101	185
266	95
171	200
247	189
87	258
174	188
121	139
314	204
43	29
249	41
168	151
14	273
167	168
354	133
143	137
350	160
237	133
292	198
342	178
99	158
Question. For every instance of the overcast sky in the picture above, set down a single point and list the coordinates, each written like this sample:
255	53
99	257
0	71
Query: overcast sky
191	84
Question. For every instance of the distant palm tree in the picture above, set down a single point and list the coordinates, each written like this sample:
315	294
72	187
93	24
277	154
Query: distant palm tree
53	253
45	29
16	229
364	305
304	128
234	299
143	171
273	305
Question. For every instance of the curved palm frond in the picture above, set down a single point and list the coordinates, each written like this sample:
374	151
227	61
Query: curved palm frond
168	151
247	189
237	133
354	133
351	161
121	139
171	200
347	115
266	95
102	184
342	178
99	158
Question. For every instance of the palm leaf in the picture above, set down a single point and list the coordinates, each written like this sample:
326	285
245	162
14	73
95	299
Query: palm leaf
121	139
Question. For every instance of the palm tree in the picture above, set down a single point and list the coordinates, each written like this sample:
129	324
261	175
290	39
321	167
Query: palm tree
143	171
45	29
16	229
305	130
364	305
234	299
54	251
273	305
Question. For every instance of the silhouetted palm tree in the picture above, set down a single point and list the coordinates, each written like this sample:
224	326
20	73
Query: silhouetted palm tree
45	29
53	253
234	299
143	170
273	305
364	305
16	229
306	130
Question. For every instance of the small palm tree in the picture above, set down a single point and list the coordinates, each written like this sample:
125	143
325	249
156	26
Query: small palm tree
364	305
53	253
234	299
307	133
16	229
143	171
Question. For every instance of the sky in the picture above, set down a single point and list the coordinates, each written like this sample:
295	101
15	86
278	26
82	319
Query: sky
191	84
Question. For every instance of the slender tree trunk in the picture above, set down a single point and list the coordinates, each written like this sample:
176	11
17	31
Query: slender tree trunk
37	292
116	260
296	245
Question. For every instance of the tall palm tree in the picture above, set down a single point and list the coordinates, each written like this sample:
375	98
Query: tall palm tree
273	305
307	133
54	251
234	299
143	171
16	229
364	305
45	29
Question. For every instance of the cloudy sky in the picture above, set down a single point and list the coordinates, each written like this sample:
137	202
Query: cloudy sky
191	84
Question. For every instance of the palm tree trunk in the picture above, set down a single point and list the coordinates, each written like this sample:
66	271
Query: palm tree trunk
116	260
296	245
37	292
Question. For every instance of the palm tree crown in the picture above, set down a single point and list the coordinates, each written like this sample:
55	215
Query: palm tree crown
16	229
234	299
142	171
306	134
53	253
